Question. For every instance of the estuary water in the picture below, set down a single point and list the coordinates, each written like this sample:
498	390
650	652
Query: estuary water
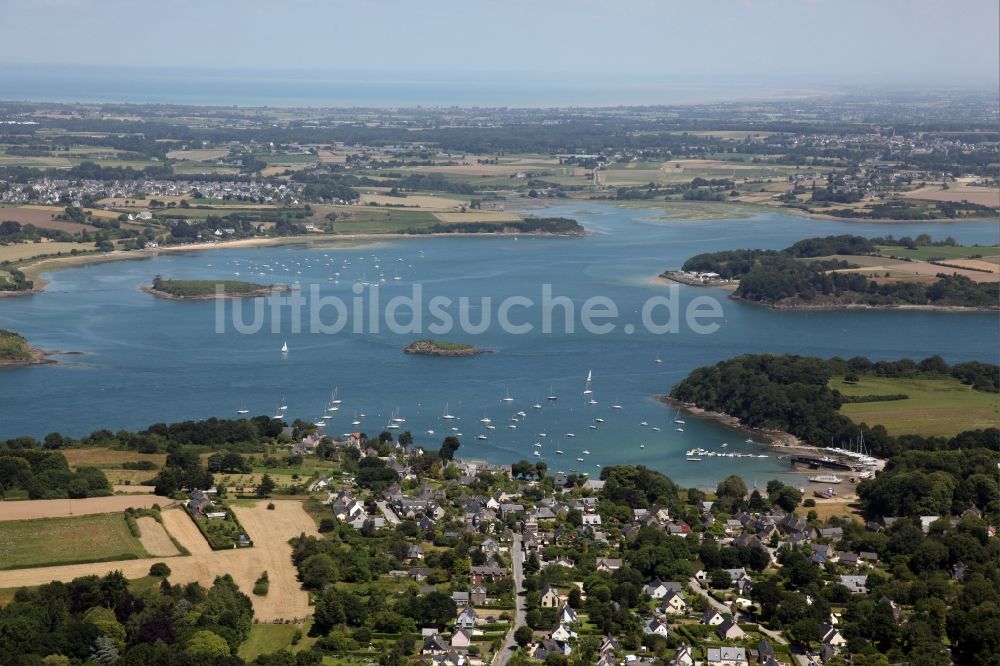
147	360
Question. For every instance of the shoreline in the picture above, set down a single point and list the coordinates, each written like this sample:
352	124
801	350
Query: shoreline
830	307
773	438
777	441
38	357
33	268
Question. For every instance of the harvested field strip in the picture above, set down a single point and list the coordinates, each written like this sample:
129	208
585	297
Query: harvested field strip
154	538
29	509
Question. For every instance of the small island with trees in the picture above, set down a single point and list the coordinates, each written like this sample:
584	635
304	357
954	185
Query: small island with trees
428	347
200	290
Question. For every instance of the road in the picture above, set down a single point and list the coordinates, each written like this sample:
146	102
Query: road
517	567
698	589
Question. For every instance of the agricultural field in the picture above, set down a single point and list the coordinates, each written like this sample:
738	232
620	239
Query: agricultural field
41	217
32	509
269	529
22	251
422	201
110	462
198	154
72	540
941	407
957	192
378	220
936	252
883	269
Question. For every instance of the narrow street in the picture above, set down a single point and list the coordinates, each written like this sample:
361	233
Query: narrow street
517	567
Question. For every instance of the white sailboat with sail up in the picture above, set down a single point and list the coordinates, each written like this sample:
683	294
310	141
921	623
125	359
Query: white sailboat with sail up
284	347
586	389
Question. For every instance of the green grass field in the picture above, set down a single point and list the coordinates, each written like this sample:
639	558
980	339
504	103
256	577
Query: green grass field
75	540
270	638
381	220
940	407
928	252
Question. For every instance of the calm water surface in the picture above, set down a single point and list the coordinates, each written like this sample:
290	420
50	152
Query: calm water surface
150	360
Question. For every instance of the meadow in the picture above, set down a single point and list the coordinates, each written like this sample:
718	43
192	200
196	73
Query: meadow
934	406
73	540
934	252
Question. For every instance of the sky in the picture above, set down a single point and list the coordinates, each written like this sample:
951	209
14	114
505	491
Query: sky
789	42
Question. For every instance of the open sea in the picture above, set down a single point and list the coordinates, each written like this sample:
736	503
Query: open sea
147	360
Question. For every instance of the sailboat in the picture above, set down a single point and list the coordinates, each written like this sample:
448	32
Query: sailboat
446	416
587	390
658	360
393	423
677	417
485	418
282	406
333	397
277	413
284	347
507	398
537	404
356	420
552	396
243	409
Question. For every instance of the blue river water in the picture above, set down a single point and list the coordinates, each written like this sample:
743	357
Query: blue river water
147	360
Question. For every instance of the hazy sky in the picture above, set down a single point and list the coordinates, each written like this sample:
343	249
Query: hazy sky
786	41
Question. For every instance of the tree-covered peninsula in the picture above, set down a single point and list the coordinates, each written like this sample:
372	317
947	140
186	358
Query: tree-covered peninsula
822	273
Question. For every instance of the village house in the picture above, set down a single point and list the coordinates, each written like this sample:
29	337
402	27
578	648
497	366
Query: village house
562	633
674	604
712	618
830	636
461	639
726	656
467	618
730	631
683	657
550	597
656	627
608	564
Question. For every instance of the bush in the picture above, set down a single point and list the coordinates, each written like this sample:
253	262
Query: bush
159	569
261	585
270	506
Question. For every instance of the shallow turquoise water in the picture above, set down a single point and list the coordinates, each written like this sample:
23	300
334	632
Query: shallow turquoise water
150	360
